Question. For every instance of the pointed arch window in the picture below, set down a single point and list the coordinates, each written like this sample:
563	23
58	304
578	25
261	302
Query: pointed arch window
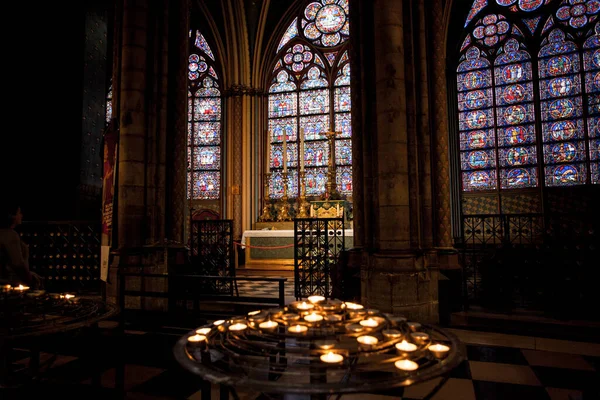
309	94
204	123
527	86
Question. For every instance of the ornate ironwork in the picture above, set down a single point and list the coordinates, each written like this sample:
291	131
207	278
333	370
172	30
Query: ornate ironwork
65	253
213	254
318	243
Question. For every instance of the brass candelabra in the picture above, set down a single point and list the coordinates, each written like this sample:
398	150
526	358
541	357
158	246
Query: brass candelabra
284	205
303	205
266	211
331	191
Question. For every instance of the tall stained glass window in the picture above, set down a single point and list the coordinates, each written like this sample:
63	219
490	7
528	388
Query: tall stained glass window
204	123
528	84
309	95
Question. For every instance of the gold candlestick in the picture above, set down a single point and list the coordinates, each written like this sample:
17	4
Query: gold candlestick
284	206
303	205
331	191
266	211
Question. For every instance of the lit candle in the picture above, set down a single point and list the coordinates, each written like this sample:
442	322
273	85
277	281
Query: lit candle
333	318
197	341
22	288
219	322
297	329
315	299
406	365
420	337
392	334
6	288
203	331
268	325
290	317
439	350
367	340
332	358
414	326
304	306
301	149
254	312
406	347
284	151
313	317
325	344
369	323
354	306
237	327
354	328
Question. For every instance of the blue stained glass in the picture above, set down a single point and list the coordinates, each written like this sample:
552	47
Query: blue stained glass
562	130
343	152
593	104
474	80
515	115
549	24
206	185
517	156
559	65
513	73
277	155
479	139
479	180
475	99
476	119
565	175
282	105
208	92
595	173
280	125
511	53
314	102
561	108
516	135
344	180
315	181
290	33
518	178
591	43
564	152
470	65
276	184
203	45
479	159
314	126
517	93
591	60
207	109
316	154
557	45
594	127
532	24
592	82
561	86
208	157
342	99
343	124
207	133
477	6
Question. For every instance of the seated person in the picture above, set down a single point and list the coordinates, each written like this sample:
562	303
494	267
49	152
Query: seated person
14	253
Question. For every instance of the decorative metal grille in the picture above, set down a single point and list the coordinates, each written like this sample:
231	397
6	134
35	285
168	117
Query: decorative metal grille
212	254
318	243
65	253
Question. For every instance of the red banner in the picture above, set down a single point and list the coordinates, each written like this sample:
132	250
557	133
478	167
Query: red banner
108	182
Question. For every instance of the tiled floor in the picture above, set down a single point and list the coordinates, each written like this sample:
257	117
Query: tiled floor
502	367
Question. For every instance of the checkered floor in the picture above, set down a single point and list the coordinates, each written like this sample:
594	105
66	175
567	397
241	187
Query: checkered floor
266	289
499	366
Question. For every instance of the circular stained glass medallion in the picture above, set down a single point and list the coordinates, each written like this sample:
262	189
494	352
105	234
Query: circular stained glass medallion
479	179
596	59
202	66
193	75
193	67
517	156
563	152
514	94
562	130
282	76
516	135
311	10
566	174
514	114
194	58
474	80
562	108
478	159
476	119
475	99
330	18
530	5
512	73
477	139
331	40
506	2
560	86
559	65
597	80
518	177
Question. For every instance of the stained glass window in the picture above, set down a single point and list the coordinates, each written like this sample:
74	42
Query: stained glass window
310	95
109	105
512	128
204	123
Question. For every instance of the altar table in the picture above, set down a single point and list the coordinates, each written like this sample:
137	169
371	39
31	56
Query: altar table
271	251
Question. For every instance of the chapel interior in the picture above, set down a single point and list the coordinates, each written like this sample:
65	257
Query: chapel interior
452	148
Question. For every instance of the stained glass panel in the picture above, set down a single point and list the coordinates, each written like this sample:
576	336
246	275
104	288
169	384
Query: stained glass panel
479	139
565	175
206	185
277	155
203	45
343	152
282	105
205	158
314	125
314	102
315	181
290	33
479	180
518	178
343	124
207	133
479	159
278	126
316	154
207	109
342	99
344	180
477	6
276	184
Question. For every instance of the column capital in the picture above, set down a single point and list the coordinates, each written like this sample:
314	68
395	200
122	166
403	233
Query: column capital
243	90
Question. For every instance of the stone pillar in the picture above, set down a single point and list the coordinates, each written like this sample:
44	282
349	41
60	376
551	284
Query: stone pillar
131	167
398	275
235	100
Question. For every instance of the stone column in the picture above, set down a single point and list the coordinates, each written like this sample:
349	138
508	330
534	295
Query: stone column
235	99
398	276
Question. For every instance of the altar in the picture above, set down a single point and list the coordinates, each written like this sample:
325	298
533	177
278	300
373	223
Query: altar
274	249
